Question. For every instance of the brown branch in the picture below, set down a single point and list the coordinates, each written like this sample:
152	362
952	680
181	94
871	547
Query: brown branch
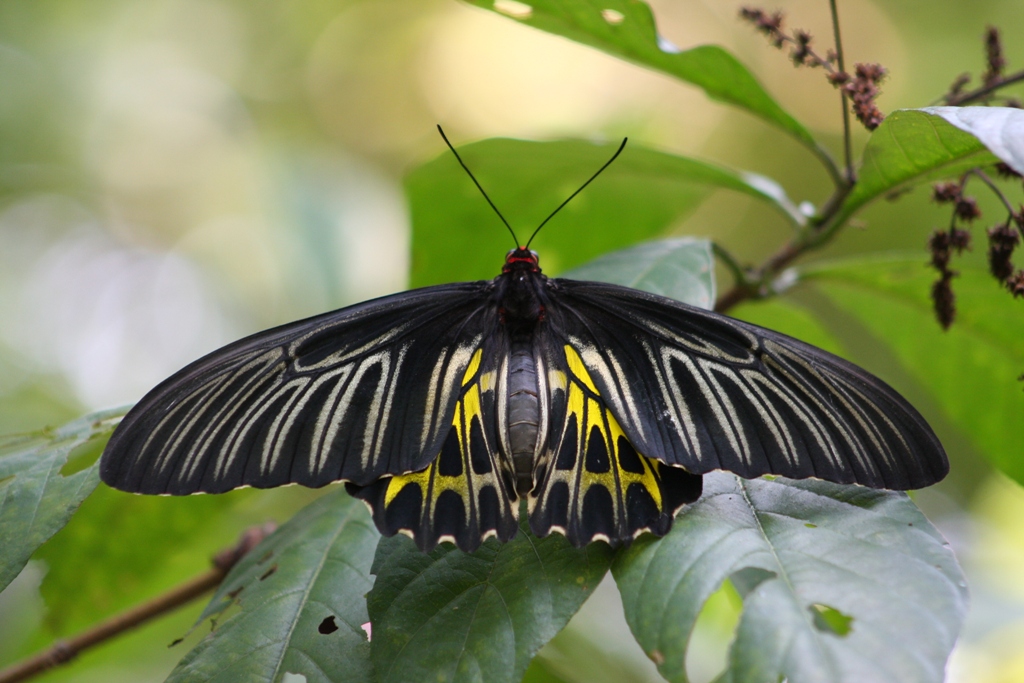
960	99
757	284
64	651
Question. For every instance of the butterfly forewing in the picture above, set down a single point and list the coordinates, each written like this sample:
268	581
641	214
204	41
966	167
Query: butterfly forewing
699	390
357	394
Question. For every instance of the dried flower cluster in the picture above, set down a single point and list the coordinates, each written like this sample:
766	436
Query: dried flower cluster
1002	240
993	78
861	87
943	243
994	59
863	90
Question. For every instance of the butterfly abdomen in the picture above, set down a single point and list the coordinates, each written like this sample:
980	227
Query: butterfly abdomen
523	414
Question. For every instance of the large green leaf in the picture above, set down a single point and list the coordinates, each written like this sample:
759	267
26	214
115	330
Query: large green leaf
839	583
682	268
300	595
36	500
627	29
1000	129
456	235
913	146
971	369
455	616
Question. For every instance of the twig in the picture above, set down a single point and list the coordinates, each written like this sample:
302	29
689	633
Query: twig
995	188
982	92
755	284
851	175
64	651
739	273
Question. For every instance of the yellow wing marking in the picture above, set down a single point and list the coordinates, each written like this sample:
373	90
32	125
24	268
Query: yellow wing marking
588	414
583	402
577	368
474	365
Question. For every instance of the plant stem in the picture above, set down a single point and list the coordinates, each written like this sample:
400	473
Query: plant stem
995	188
851	176
755	283
984	91
64	651
739	273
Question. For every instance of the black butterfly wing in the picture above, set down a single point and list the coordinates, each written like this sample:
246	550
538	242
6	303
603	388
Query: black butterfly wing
353	395
704	391
590	482
466	494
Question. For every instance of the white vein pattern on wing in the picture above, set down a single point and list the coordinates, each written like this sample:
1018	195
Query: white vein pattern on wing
819	431
378	426
857	446
274	441
343	355
247	421
628	394
430	406
705	391
189	404
675	402
724	410
810	393
324	418
266	361
243	424
881	443
770	415
222	419
340	409
702	347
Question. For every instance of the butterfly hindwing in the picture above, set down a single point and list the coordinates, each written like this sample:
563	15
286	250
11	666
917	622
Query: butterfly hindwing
700	390
466	493
592	483
354	395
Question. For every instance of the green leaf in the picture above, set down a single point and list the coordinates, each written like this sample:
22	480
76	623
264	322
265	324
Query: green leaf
456	235
1000	129
795	550
300	599
36	499
913	146
971	369
682	269
454	616
627	29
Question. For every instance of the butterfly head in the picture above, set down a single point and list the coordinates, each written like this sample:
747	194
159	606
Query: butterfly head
521	258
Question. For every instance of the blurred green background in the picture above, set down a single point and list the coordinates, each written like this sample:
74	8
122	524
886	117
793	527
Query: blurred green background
175	174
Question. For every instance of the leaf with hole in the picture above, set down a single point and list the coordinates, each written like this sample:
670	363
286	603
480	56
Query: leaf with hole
868	592
627	29
294	604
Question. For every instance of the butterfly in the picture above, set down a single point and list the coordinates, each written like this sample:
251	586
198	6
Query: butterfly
444	408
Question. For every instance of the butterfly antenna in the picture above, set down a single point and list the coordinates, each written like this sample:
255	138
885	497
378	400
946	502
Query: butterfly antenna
477	183
560	206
